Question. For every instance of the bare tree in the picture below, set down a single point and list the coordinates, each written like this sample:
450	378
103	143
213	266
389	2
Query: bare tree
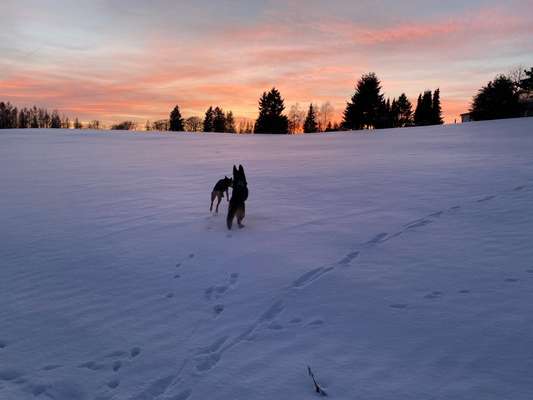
296	118
325	113
193	124
94	124
517	74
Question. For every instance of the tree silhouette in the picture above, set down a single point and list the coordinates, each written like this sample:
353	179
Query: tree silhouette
405	111
55	121
208	120
436	111
364	108
271	119
175	121
310	124
230	123
499	99
219	120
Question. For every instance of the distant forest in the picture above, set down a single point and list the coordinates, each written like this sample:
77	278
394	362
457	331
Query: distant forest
507	96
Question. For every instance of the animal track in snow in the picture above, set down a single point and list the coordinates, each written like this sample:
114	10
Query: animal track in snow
51	367
316	322
455	208
3	344
486	198
310	276
464	291
529	271
518	188
379	238
154	389
295	320
9	374
349	258
275	326
433	295
216	292
113	383
511	280
117	365
218	309
169	295
418	224
208	357
135	351
93	366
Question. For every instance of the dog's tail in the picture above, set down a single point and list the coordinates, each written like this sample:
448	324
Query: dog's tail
231	215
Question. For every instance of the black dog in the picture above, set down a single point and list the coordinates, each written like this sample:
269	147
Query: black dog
218	191
238	197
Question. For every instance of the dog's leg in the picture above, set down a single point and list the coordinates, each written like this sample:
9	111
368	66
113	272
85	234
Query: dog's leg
212	200
229	218
240	216
219	197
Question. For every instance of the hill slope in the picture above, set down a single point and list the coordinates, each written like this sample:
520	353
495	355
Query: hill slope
396	265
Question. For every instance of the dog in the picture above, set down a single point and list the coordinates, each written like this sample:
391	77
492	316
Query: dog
239	195
218	191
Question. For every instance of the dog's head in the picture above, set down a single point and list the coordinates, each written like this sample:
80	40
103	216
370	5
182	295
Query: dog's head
228	181
238	176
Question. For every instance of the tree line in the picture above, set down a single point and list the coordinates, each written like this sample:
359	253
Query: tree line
503	97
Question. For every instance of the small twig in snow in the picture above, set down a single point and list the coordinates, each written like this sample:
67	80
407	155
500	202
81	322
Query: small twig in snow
318	389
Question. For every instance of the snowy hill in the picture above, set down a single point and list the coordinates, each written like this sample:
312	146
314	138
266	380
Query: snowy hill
398	265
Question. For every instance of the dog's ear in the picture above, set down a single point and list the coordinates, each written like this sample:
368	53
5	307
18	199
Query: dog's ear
241	172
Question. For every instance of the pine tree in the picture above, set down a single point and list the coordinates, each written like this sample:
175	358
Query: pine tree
175	121
310	124
147	126
363	111
55	121
418	111
230	123
77	124
208	120
405	112
436	111
219	120
271	119
499	99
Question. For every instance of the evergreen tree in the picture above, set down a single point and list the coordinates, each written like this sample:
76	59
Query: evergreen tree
366	104
405	112
418	110
310	124
424	109
147	126
436	111
219	120
271	119
394	113
77	124
55	121
499	99
230	123
208	120
175	121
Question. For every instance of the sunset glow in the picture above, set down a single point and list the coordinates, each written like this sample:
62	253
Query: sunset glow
114	60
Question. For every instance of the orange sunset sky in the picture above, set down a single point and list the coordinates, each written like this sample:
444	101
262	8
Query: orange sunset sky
114	60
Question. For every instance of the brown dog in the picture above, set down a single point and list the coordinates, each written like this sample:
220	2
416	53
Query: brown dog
218	191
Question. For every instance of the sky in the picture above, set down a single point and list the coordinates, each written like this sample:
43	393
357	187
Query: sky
114	60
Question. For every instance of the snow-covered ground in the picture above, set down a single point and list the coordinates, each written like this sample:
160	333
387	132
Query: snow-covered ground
398	265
